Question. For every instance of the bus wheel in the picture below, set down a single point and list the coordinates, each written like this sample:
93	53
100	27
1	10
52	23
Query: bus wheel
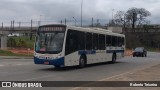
82	61
56	66
114	57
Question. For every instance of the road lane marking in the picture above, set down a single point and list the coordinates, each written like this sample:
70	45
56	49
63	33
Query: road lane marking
37	78
20	64
1	65
13	65
104	79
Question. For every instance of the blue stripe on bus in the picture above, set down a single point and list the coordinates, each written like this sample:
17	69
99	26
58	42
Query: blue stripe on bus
116	51
87	52
59	61
94	51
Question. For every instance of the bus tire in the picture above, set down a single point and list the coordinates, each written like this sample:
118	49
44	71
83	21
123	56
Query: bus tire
56	66
114	58
145	55
82	61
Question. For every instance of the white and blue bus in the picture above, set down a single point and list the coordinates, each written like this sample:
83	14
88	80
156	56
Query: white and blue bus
63	45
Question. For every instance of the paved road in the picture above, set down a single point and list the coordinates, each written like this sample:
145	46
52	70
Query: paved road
26	70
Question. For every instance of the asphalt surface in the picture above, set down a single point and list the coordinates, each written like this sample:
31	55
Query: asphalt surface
26	70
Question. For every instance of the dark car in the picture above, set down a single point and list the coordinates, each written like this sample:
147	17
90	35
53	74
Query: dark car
140	52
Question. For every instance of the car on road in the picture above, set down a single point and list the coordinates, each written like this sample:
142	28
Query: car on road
139	52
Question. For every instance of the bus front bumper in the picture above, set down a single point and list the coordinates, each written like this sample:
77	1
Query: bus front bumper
57	62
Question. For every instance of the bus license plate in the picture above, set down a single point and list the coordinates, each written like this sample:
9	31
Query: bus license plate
46	63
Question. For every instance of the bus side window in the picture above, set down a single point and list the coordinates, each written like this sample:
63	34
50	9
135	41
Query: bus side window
71	42
95	41
119	44
101	42
122	41
75	41
108	40
119	41
88	41
81	40
114	41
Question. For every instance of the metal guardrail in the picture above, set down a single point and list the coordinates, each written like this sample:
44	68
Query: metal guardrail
8	30
18	28
148	30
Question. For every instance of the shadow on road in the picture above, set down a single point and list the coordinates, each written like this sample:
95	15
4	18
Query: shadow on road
70	68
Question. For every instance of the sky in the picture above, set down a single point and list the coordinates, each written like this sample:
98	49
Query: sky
57	10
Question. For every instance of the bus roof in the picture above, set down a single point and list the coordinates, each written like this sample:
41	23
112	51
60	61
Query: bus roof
95	30
92	30
49	25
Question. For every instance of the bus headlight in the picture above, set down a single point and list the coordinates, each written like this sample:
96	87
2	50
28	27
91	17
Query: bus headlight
35	53
59	56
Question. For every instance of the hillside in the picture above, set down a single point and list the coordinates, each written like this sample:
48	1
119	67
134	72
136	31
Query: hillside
142	39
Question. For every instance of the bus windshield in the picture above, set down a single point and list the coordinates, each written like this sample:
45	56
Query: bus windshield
49	42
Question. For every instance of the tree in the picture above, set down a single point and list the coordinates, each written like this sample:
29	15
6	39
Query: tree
137	16
120	18
133	17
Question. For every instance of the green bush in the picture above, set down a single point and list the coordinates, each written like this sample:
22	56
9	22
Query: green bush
11	42
21	41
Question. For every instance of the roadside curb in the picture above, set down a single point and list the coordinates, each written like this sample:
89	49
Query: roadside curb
12	57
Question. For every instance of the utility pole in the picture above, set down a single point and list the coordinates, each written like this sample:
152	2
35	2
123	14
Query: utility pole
31	24
19	24
2	25
31	30
81	12
98	22
13	24
40	20
61	22
112	16
134	20
112	13
124	24
75	21
92	22
65	21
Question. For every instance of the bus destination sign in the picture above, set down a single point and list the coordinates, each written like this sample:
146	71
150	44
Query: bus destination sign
48	29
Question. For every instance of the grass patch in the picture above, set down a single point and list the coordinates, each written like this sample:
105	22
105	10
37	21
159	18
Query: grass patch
9	53
152	49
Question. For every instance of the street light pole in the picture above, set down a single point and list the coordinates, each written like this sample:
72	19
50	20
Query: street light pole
2	25
81	11
40	20
112	14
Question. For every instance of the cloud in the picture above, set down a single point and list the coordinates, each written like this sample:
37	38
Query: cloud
56	10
